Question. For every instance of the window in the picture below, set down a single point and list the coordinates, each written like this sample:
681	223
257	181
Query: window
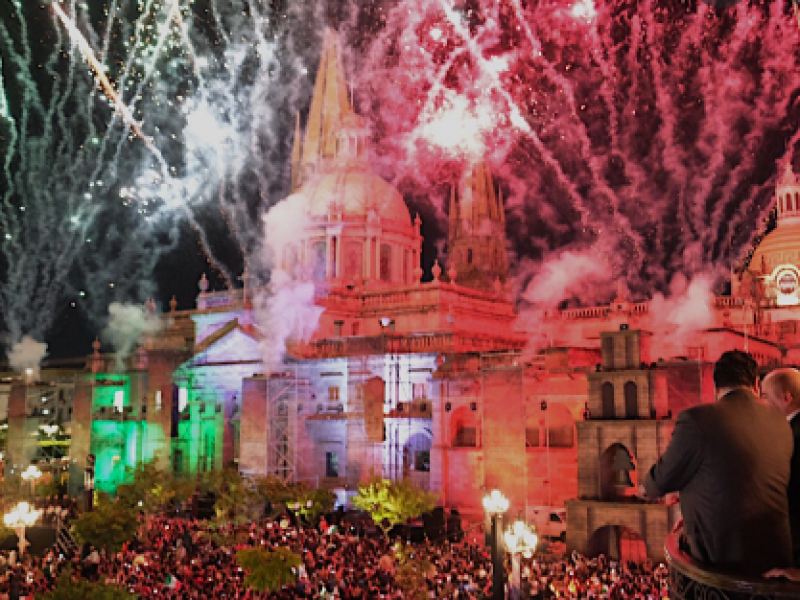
531	437
607	394
562	436
354	328
331	464
466	437
469	256
337	328
420	391
183	399
386	262
333	394
422	461
318	261
119	400
631	401
158	400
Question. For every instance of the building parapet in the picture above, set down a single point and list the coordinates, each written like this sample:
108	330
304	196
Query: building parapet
690	580
405	344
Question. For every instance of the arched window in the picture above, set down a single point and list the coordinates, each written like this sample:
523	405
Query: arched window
631	401
417	450
469	256
618	474
386	262
318	261
607	395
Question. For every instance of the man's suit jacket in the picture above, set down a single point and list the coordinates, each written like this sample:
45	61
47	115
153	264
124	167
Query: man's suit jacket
730	461
794	490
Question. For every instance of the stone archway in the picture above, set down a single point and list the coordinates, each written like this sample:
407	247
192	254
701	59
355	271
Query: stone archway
617	542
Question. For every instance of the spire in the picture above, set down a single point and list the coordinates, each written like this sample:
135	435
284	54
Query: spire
329	104
296	154
481	196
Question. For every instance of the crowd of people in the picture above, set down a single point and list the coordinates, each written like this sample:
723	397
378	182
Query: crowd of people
179	559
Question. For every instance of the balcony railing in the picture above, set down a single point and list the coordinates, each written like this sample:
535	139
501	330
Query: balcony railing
690	581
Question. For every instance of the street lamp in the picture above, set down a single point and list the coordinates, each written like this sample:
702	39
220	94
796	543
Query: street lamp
32	474
495	505
520	539
19	518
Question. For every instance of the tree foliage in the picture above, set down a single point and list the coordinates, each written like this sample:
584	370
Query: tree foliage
153	489
108	526
391	503
67	589
315	503
234	495
268	570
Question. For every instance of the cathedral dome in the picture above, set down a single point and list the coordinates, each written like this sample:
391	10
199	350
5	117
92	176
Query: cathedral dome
780	246
351	191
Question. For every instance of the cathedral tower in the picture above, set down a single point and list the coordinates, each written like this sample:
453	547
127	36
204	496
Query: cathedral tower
329	105
477	237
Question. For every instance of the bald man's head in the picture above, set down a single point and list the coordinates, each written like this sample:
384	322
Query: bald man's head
781	388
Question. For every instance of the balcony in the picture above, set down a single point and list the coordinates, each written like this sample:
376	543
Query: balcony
689	581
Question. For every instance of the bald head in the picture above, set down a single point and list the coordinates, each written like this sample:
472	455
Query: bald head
781	388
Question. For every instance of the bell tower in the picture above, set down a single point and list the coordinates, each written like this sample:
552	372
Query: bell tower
477	239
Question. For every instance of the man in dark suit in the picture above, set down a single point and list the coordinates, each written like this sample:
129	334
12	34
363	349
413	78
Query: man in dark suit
781	388
730	462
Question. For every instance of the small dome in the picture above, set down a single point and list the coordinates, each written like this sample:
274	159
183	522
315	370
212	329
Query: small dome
353	191
777	245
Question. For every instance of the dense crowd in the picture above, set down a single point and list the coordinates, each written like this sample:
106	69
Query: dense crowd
176	559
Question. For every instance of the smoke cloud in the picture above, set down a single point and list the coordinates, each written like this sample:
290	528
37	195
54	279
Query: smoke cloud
27	354
126	325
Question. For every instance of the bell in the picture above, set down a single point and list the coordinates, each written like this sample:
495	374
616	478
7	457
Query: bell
623	479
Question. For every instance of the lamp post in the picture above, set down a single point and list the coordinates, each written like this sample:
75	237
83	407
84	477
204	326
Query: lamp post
520	539
495	505
19	518
32	474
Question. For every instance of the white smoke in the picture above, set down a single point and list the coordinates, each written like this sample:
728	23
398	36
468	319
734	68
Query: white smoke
285	310
285	313
583	275
126	325
569	275
688	309
27	354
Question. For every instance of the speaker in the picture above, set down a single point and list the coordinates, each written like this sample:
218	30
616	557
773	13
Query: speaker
623	327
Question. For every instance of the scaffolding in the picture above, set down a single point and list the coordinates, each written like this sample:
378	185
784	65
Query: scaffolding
287	393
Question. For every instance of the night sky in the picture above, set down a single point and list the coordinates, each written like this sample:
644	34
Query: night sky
643	133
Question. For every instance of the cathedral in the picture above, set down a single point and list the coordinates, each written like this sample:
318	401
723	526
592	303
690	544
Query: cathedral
409	379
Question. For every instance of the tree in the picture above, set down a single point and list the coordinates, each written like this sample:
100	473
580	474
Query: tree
233	495
153	490
67	589
315	503
268	570
391	503
273	490
108	526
